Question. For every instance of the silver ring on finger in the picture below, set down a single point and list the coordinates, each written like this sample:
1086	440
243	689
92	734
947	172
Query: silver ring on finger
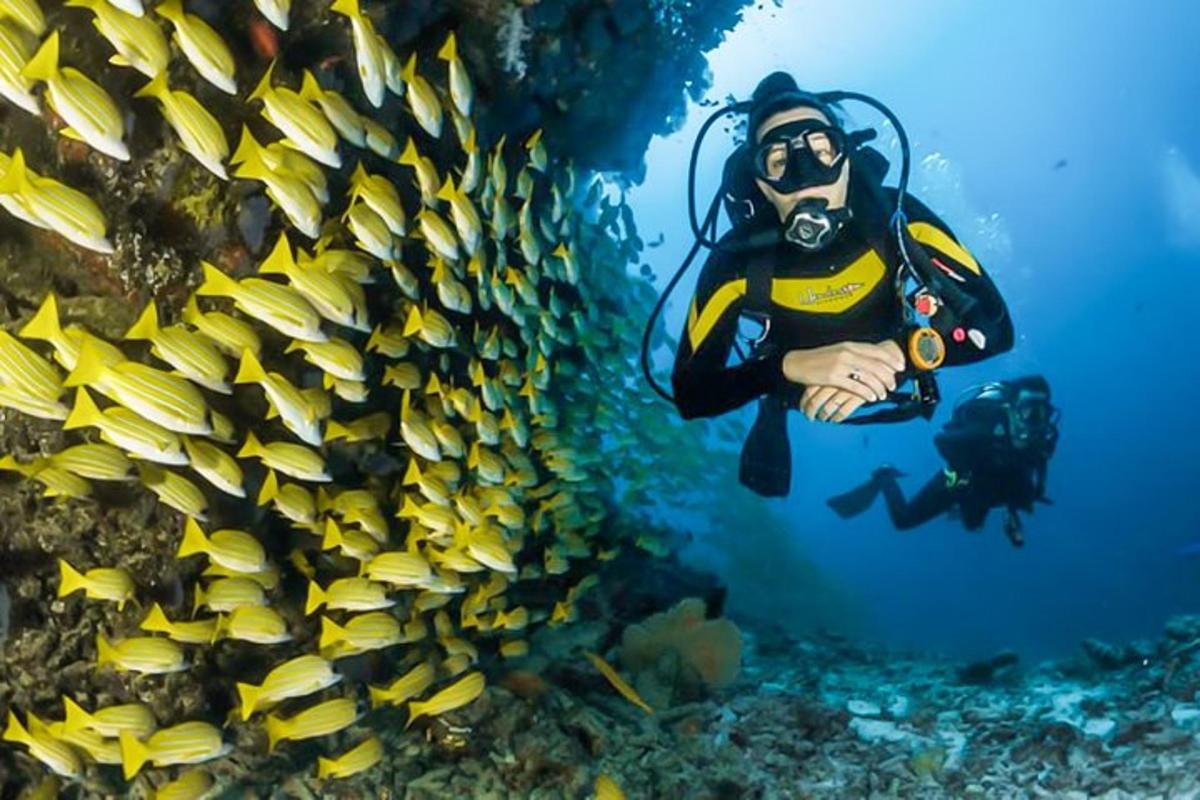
855	376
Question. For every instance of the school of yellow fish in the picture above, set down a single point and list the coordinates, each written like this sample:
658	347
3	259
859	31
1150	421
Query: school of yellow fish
492	378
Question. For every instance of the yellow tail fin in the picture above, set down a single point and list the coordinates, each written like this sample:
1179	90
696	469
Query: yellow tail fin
156	621
348	8
84	414
447	192
316	597
44	326
249	369
146	327
333	536
270	488
409	72
134	754
331	633
280	260
379	697
416	710
412	325
252	448
412	475
15	731
89	367
76	718
264	85
193	541
70	580
248	694
191	310
310	90
44	64
335	430
156	88
105	652
170	10
449	51
216	283
276	731
409	156
16	179
325	767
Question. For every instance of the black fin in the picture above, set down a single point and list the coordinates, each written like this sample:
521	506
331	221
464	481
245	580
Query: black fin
855	501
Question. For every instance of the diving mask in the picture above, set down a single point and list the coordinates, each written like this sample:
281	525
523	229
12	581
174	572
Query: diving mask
799	155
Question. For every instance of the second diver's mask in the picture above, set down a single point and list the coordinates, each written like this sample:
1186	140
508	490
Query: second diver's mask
1034	421
801	155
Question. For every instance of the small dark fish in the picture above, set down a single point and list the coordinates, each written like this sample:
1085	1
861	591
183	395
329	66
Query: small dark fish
1062	162
658	240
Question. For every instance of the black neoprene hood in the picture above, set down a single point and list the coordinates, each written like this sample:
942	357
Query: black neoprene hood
779	92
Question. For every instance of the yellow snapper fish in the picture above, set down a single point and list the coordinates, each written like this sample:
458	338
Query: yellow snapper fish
462	93
232	549
296	409
339	261
437	234
335	357
26	14
285	163
229	333
514	648
426	173
380	140
291	459
276	11
373	630
379	193
341	302
15	51
198	130
407	686
432	328
143	654
303	675
348	594
292	501
202	46
399	568
364	429
359	758
56	206
319	720
162	398
304	126
215	465
488	547
465	216
352	542
186	743
174	490
537	151
192	785
57	755
369	50
416	432
281	307
268	579
472	174
255	624
458	694
40	407
337	109
371	234
102	583
193	355
111	721
285	187
619	683
422	99
137	39
44	326
100	462
198	631
91	114
127	430
226	594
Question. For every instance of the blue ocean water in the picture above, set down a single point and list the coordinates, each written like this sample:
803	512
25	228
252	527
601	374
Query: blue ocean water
1061	141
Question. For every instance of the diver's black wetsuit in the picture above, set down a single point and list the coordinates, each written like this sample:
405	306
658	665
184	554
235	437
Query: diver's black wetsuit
985	471
843	293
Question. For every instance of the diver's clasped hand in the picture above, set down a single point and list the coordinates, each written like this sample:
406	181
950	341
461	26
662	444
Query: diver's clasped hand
841	378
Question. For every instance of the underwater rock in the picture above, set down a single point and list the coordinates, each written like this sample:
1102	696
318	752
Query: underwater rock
1183	628
998	667
1109	657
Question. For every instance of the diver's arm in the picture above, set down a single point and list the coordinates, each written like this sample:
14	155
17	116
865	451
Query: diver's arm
985	329
705	384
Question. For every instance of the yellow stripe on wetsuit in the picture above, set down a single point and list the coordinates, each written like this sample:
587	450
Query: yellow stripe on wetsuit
939	240
828	294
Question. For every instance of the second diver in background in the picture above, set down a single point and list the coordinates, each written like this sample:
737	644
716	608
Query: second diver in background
997	446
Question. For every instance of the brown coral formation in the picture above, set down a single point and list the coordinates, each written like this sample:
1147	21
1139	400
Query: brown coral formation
679	653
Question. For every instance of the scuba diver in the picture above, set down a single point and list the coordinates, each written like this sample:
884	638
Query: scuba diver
997	446
833	290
